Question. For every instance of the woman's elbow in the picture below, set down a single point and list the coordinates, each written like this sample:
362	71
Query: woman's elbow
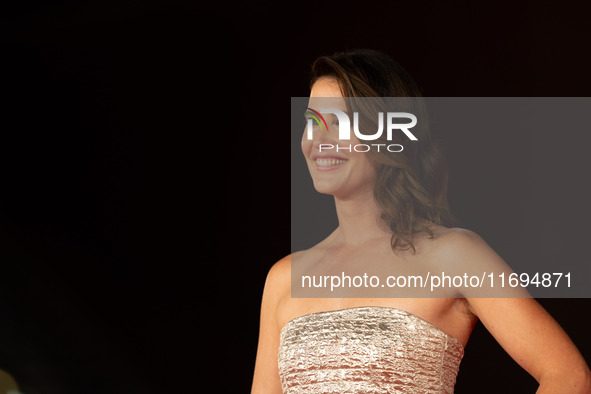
575	381
585	381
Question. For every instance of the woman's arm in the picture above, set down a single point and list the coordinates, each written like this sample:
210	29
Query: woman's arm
536	342
524	329
266	372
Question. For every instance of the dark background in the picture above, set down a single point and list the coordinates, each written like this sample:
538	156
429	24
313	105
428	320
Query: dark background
134	134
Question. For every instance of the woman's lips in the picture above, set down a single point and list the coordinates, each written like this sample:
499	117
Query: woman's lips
329	163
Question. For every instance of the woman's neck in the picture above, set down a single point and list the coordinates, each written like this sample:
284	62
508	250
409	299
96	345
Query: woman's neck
359	220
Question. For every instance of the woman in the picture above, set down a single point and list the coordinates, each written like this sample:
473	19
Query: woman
392	207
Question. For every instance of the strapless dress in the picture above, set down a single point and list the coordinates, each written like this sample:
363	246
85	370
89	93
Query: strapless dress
367	350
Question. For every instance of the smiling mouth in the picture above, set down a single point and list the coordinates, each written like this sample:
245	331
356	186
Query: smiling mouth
328	163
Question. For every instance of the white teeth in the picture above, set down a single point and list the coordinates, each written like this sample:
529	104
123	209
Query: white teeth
329	162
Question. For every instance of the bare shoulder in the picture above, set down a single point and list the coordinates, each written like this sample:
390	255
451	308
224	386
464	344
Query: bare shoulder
278	280
280	267
461	251
464	253
278	277
460	246
457	240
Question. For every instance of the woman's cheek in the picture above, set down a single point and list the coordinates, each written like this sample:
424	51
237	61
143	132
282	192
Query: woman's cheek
306	146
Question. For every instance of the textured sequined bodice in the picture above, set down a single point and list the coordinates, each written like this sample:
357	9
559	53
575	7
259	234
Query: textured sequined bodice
367	350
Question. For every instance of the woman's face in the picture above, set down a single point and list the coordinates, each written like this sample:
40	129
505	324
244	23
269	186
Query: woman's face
342	172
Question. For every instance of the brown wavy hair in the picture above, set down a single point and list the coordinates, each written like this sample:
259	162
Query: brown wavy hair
411	186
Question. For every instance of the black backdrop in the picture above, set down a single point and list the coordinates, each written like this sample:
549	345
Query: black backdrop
137	133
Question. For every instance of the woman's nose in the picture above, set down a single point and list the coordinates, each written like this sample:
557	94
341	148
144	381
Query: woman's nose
324	140
320	145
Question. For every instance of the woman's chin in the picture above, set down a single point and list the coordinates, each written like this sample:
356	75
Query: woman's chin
326	187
